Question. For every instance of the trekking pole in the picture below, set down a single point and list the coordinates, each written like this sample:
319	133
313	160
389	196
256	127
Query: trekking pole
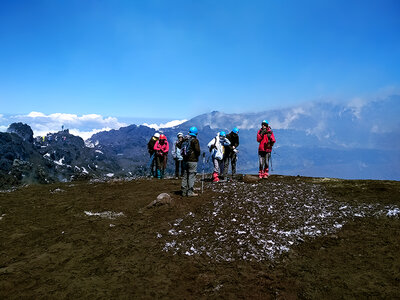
202	181
272	168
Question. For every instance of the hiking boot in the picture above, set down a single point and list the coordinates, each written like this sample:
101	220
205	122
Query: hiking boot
266	173
215	177
260	174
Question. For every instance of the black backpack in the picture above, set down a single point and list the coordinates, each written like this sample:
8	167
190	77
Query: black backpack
186	147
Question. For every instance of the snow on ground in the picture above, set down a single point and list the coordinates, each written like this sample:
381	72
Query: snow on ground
393	212
261	221
105	214
13	189
60	162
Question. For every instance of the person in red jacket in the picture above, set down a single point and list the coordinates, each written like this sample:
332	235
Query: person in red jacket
266	138
161	148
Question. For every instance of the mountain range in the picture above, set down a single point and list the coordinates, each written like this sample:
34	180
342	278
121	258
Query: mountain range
360	140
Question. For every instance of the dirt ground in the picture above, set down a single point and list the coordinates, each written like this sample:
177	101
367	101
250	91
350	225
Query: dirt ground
280	238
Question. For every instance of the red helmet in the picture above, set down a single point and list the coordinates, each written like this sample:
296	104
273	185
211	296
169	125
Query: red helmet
163	137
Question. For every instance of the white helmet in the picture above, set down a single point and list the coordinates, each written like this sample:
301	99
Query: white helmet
157	135
180	134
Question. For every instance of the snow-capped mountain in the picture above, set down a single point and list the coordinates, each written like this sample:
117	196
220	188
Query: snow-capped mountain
372	125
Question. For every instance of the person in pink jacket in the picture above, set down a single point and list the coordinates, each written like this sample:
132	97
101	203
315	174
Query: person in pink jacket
266	138
161	148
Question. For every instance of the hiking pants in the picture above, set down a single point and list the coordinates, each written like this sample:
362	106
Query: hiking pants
232	157
263	159
189	177
152	165
218	166
178	165
161	163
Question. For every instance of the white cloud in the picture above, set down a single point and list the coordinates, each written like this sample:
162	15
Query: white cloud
356	105
83	126
165	125
3	128
290	116
87	134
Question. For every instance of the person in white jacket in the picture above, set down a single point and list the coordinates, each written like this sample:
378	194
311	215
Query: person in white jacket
216	147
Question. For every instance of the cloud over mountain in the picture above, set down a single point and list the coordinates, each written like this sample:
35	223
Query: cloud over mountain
83	126
165	125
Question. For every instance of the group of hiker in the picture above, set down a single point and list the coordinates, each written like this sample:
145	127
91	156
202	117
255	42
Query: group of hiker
223	152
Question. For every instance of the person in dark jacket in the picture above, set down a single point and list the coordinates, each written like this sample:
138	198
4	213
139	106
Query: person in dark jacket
266	138
190	160
230	154
150	148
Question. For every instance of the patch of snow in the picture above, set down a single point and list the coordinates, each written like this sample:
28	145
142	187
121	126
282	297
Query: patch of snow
104	214
266	223
393	212
89	144
110	175
60	162
8	191
98	151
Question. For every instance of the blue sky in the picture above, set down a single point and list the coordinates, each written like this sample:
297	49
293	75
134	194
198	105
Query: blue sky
176	59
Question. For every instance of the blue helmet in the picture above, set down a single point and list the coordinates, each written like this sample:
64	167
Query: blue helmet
265	122
235	130
193	131
222	133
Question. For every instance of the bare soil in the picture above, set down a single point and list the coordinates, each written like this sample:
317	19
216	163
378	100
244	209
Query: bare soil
280	238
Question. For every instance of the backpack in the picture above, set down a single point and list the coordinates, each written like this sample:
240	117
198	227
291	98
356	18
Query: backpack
185	148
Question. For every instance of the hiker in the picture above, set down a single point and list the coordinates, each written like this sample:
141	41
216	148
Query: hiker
161	148
231	152
217	149
176	154
190	150
150	148
266	138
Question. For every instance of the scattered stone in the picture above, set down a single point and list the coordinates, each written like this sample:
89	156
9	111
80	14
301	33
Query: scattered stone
57	190
162	199
250	178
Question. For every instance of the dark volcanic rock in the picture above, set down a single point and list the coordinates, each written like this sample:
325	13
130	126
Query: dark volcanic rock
22	130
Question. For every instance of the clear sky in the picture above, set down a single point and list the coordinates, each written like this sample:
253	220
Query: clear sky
177	59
